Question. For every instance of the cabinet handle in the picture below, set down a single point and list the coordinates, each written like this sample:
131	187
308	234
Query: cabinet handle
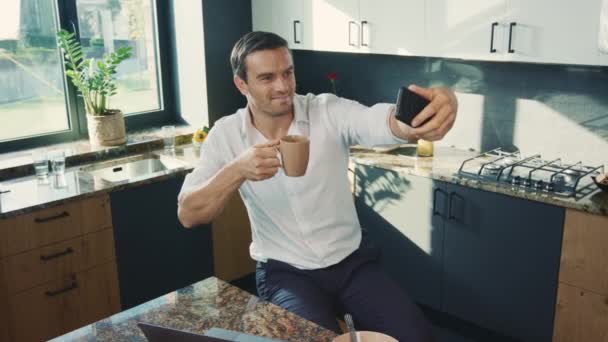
435	212
363	23
350	25
51	218
511	36
68	288
450	215
295	35
492	49
67	251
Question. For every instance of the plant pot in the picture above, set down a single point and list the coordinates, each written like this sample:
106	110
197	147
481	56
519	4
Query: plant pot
108	129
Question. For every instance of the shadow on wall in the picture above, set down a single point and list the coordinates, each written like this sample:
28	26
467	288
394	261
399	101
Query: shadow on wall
554	110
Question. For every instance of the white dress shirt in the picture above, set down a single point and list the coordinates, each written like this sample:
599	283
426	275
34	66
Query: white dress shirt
309	222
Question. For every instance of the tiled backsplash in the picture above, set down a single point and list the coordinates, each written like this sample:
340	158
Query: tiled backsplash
554	110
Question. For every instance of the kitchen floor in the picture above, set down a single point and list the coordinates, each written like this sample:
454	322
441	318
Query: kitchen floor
446	328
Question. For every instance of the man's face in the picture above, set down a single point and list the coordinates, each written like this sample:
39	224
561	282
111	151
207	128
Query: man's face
271	82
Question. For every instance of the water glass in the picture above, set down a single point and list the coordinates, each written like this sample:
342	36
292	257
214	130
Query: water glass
41	164
168	133
57	162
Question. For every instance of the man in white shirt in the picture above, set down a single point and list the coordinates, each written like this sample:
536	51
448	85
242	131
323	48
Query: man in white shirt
306	235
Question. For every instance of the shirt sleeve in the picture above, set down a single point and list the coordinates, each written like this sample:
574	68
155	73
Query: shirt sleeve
209	163
361	125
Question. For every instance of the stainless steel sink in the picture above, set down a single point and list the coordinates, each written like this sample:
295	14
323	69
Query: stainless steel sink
132	168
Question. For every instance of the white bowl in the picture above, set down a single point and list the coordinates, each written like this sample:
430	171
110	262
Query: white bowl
366	336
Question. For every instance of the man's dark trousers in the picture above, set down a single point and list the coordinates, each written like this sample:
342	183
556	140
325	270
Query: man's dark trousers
356	285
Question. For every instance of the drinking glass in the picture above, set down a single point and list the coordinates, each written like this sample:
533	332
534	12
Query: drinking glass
168	133
57	162
41	164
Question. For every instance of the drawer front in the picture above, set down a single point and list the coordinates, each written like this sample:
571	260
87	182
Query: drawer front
45	311
40	228
580	315
62	259
61	306
50	225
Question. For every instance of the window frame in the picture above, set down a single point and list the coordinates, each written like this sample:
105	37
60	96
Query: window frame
67	17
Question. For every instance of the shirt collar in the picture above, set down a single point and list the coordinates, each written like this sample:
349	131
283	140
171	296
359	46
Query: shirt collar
248	131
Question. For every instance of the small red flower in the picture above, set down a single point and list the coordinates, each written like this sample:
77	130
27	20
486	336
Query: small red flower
332	76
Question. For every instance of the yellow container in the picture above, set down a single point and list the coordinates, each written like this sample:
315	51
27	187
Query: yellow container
424	148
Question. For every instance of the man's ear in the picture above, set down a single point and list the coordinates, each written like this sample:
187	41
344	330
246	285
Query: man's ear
241	85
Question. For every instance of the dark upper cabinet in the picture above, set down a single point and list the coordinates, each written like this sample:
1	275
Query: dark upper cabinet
396	214
155	253
483	257
501	261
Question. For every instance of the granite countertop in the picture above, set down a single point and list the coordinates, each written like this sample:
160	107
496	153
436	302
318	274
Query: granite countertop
27	193
444	165
199	307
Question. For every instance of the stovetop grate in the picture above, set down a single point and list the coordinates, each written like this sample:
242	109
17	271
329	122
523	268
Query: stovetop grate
531	174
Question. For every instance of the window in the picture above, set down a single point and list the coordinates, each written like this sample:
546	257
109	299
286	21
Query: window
109	24
37	103
32	98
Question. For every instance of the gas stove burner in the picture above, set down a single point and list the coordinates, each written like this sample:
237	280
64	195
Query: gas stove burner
492	169
532	173
506	161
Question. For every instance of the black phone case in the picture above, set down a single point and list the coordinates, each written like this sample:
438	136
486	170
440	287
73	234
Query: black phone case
409	104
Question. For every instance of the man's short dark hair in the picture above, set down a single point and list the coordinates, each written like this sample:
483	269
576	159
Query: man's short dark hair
250	43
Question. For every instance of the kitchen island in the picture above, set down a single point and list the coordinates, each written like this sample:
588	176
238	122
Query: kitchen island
199	307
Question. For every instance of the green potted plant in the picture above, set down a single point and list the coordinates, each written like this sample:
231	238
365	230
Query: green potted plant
96	82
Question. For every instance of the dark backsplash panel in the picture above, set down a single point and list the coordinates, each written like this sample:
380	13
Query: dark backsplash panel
555	110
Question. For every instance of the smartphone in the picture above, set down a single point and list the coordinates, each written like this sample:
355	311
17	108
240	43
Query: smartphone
409	104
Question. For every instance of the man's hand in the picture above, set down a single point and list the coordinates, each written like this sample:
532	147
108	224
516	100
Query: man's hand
259	162
442	109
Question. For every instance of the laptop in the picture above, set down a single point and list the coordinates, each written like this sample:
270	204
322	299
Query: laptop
155	333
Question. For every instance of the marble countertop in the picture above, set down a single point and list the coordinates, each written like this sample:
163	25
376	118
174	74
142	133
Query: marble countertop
199	307
444	165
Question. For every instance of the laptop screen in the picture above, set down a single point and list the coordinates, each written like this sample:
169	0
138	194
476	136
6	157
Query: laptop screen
155	333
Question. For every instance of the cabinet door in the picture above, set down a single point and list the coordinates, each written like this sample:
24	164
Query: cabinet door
261	15
567	33
290	19
4	326
155	254
336	25
581	315
396	213
464	29
392	26
501	260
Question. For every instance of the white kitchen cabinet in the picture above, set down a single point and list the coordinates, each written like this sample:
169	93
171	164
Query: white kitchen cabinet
565	34
290	19
261	15
335	25
380	26
468	29
393	27
540	31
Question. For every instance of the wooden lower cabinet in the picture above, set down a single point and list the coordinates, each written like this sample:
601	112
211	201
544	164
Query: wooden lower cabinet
580	315
60	306
39	266
4	326
231	235
581	312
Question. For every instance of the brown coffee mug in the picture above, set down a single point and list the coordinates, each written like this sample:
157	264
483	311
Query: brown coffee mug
294	154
